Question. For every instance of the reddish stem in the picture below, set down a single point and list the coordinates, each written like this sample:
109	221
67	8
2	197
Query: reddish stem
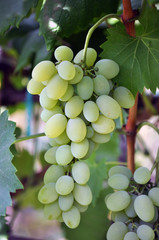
128	20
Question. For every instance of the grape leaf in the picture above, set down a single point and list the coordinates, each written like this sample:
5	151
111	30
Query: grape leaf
138	57
8	180
64	17
13	12
33	44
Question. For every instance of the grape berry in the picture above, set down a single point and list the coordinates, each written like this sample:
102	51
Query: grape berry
79	115
134	205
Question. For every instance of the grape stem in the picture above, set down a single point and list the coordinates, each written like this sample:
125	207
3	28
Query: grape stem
156	165
92	29
29	137
148	124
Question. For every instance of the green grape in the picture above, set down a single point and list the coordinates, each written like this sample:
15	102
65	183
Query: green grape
120	169
130	211
142	175
72	217
46	114
118	181
80	207
80	172
144	208
101	85
103	125
124	97
68	94
34	87
57	87
55	126
66	70
62	138
91	56
50	155
45	101
78	75
85	88
108	68
82	194
154	195
43	71
52	211
64	185
131	236
63	53
74	107
100	138
80	149
66	202
155	218
118	201
76	129
90	132
47	193
53	173
91	111
64	155
91	149
117	231
110	84
120	217
108	106
145	232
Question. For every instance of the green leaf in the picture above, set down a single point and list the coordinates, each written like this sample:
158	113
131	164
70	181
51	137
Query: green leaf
8	180
94	222
138	57
65	17
24	168
108	152
13	12
33	44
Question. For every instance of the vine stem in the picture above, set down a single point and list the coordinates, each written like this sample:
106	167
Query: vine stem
147	124
92	29
29	137
156	165
128	20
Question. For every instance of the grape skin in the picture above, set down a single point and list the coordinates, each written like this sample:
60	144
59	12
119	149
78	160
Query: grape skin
131	236
118	182
46	114
85	88
78	75
100	138
53	173
45	101
43	71
55	125
108	106
66	70
74	107
64	155
91	111
118	201
108	68
63	53
154	195
80	172
144	208
117	231
103	125
52	211
145	232
142	175
101	85
124	97
47	193
82	194
120	169
34	87
64	185
76	129
72	217
66	202
91	56
80	149
50	155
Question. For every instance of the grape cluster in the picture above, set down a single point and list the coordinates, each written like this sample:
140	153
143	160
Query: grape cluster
79	104
134	205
